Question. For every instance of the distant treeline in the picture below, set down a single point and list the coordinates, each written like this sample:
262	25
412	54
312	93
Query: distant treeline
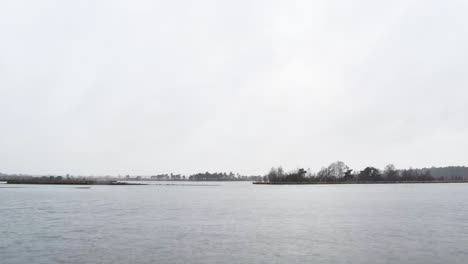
207	176
9	177
452	172
340	172
223	176
335	172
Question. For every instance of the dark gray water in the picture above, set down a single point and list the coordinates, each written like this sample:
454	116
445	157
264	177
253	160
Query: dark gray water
235	223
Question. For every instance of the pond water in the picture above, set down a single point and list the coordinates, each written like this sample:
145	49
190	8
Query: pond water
234	222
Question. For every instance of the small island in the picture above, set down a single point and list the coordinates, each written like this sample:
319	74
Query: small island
62	181
339	173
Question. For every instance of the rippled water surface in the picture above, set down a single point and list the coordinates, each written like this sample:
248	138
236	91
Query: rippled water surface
234	223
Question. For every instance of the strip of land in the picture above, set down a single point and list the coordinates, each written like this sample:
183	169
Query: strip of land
362	182
69	182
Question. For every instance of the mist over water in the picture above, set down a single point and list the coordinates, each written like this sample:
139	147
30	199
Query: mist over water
235	223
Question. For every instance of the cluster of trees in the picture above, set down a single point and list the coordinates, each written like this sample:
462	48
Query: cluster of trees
340	172
216	176
223	176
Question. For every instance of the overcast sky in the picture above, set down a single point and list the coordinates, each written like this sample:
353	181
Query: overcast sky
146	87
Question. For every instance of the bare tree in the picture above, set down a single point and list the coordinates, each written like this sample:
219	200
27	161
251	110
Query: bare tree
338	169
390	173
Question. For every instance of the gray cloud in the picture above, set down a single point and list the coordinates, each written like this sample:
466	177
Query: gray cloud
116	87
